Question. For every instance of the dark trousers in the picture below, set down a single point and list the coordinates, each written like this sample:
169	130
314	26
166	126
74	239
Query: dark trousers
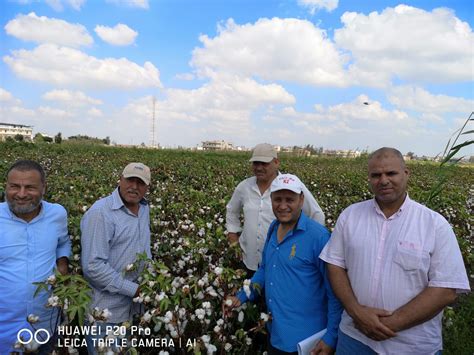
274	351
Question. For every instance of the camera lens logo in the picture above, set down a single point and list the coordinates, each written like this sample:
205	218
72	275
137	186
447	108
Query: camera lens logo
41	336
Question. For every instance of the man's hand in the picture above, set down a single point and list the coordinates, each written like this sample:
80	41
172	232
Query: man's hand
321	348
137	292
62	265
233	238
368	321
427	304
229	304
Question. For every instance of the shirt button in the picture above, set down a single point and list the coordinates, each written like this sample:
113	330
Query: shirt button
278	248
271	283
274	265
269	300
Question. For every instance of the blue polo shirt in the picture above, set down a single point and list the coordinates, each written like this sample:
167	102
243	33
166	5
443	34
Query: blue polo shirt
297	291
28	253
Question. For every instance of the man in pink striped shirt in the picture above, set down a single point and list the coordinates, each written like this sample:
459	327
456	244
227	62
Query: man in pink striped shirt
394	264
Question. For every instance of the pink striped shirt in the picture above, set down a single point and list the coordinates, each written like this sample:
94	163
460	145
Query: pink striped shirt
389	261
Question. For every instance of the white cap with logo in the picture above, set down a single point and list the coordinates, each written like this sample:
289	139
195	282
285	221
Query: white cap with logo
287	182
138	170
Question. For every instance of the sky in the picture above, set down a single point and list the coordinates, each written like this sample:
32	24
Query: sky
329	73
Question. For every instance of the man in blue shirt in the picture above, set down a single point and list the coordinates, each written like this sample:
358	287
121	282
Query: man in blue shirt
33	241
114	230
297	291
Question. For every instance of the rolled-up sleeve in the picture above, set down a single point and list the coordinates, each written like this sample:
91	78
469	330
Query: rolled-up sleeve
96	236
234	208
311	207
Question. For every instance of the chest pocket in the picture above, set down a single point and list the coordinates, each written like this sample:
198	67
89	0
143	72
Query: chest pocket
410	258
298	258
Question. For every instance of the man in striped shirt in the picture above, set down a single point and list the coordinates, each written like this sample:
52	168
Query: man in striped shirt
114	230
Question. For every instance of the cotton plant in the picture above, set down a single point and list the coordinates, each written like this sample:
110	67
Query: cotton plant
71	293
186	285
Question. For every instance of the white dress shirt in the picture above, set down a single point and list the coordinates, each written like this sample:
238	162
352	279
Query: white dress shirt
258	215
389	261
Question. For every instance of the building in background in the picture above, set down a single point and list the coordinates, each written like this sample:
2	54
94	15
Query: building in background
13	130
217	145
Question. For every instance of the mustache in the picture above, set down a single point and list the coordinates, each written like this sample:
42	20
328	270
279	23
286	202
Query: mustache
16	198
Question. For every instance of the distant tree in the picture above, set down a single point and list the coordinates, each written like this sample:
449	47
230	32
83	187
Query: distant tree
38	138
106	140
48	139
19	137
411	155
58	138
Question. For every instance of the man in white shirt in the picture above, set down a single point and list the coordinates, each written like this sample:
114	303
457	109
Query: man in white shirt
252	195
394	264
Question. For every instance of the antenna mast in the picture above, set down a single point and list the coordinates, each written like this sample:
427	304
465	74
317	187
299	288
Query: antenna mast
152	133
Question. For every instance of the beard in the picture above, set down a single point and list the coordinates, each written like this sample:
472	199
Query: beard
23	209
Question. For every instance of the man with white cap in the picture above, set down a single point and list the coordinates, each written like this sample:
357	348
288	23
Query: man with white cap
114	230
297	291
252	196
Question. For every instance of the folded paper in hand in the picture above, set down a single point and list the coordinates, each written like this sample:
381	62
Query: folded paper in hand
306	345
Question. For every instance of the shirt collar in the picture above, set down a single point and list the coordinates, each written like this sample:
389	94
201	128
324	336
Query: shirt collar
402	208
302	221
15	217
300	225
117	202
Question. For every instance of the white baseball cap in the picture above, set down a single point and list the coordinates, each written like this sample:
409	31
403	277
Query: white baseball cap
138	170
287	182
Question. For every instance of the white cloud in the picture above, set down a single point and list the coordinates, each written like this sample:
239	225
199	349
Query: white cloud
407	43
277	49
57	5
185	76
54	112
41	29
11	110
70	67
71	98
16	114
95	112
76	4
119	35
6	98
432	118
349	118
315	5
224	108
141	4
419	99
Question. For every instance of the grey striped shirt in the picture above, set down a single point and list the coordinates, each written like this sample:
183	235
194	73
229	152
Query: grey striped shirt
111	238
